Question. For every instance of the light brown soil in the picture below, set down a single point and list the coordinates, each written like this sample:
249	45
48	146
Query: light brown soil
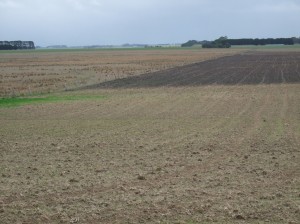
171	155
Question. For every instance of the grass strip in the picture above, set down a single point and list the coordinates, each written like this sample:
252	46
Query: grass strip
19	101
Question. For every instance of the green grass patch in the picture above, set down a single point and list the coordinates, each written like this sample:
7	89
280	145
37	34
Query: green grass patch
19	101
278	130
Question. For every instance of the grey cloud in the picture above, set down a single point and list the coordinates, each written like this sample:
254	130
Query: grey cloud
83	22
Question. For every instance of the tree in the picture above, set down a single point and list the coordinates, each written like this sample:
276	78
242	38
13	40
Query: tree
190	43
221	42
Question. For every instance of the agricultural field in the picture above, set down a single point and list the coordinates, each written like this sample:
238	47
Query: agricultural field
31	72
203	137
244	68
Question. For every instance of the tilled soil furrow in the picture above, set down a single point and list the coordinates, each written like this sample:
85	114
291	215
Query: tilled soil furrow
222	71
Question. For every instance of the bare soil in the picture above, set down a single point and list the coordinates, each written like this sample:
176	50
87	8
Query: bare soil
245	68
185	154
43	72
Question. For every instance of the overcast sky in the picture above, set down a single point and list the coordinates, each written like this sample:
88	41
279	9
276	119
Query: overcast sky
87	22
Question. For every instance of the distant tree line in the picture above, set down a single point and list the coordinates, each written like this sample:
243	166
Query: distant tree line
296	40
8	47
285	41
224	42
191	43
221	42
15	45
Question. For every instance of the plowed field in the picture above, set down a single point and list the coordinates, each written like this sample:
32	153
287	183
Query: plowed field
43	72
253	68
182	152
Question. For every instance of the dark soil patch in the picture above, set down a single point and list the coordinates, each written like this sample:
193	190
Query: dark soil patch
250	68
